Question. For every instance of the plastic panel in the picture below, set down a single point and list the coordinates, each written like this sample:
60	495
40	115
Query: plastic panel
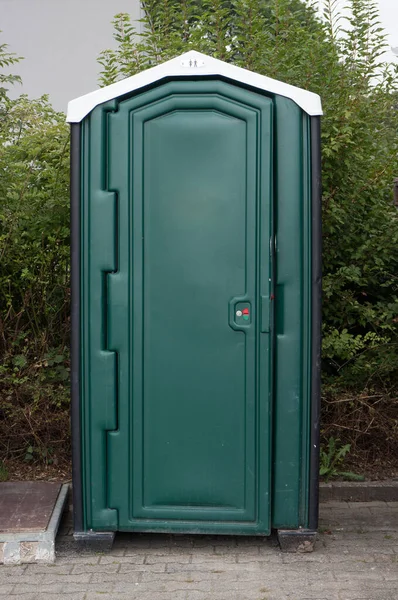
99	386
292	322
141	319
111	305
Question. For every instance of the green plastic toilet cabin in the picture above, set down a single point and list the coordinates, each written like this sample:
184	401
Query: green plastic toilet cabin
196	283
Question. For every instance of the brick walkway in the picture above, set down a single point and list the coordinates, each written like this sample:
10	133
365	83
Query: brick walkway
356	558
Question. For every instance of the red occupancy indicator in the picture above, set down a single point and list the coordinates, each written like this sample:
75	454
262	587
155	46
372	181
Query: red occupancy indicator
245	311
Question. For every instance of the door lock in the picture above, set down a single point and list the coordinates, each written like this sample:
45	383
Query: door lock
242	313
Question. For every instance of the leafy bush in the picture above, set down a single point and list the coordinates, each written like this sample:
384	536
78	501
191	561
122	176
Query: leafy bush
335	56
338	57
34	273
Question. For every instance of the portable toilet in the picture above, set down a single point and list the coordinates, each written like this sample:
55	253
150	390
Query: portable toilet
196	277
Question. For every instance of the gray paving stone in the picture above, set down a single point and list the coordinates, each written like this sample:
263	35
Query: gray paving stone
31	579
118	550
177	558
226	595
266	557
224	550
133	559
53	569
356	558
7	577
105	568
139	595
215	562
24	588
75	556
352	595
63	596
25	596
155	568
5	589
106	596
79	578
116	578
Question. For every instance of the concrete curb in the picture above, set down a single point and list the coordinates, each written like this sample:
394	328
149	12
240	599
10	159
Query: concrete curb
34	547
359	491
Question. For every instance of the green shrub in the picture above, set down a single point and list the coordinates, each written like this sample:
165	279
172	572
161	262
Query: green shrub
338	57
34	273
335	56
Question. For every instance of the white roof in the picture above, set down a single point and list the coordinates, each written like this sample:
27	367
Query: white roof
186	65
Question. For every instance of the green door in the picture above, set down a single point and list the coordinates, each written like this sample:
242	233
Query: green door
188	310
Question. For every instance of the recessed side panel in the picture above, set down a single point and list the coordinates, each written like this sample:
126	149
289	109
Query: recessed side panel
75	224
292	404
98	385
316	318
198	431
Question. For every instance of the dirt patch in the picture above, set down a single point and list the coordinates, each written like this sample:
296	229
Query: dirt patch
21	471
17	470
375	470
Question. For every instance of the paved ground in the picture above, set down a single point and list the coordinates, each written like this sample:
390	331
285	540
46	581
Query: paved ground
356	559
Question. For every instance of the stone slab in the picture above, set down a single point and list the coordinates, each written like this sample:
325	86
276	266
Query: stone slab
37	542
26	505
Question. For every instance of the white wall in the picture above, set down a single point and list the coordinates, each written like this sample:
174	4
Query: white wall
60	40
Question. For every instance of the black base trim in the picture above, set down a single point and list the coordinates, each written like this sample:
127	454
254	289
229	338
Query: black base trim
95	540
297	540
77	489
316	320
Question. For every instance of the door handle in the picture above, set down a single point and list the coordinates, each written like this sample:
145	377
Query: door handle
240	313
